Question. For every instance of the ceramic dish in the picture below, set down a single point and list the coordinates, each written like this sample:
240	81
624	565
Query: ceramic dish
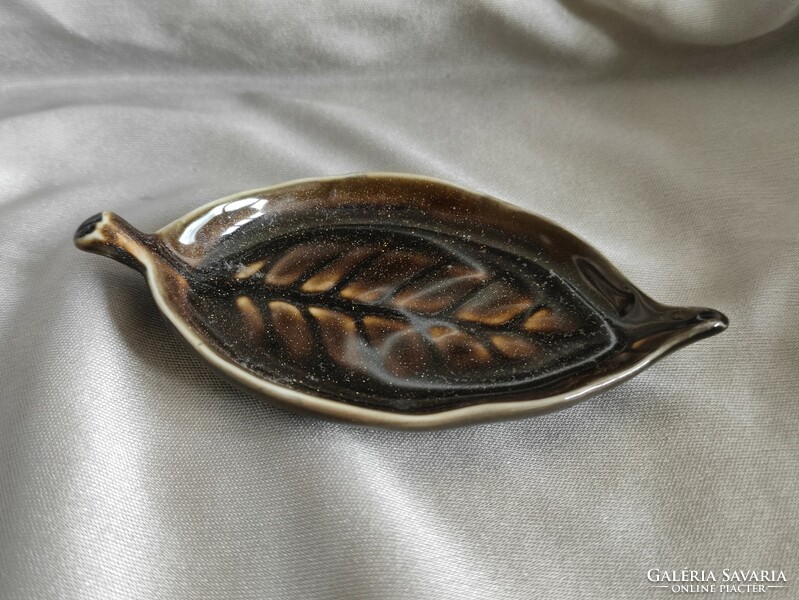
397	300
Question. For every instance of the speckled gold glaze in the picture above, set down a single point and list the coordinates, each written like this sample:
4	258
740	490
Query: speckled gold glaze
397	300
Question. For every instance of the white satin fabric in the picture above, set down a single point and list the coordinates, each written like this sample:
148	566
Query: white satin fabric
664	132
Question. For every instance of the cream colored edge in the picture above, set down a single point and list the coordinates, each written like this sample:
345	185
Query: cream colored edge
367	416
377	175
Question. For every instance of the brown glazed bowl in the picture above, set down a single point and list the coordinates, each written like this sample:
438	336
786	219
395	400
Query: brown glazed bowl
397	300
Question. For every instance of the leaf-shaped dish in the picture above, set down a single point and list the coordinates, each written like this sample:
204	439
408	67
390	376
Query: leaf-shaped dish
397	300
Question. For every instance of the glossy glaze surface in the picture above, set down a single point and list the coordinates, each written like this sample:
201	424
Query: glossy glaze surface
397	295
